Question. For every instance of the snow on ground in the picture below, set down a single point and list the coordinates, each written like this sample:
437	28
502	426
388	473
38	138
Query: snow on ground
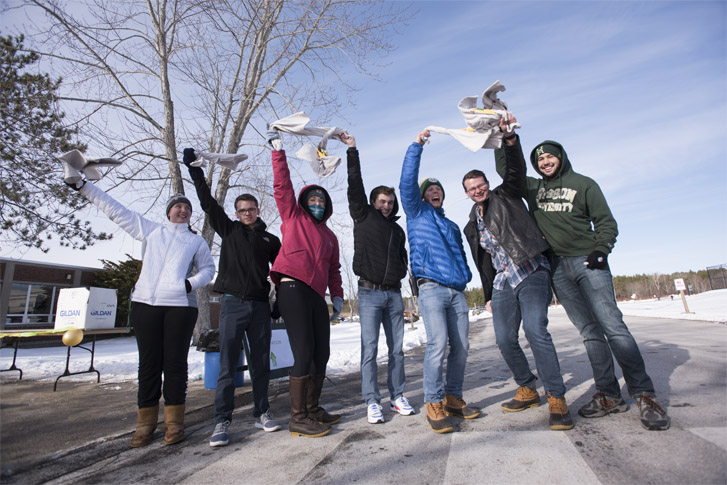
117	359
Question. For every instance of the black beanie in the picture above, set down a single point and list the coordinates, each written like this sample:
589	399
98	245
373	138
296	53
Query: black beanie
547	148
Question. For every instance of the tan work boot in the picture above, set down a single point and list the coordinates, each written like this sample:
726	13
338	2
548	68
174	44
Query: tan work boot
146	423
174	421
455	406
559	416
525	397
437	418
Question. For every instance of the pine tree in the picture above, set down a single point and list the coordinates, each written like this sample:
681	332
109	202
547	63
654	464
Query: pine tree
35	204
122	276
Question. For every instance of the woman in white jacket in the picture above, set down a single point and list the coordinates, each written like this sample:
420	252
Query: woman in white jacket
164	309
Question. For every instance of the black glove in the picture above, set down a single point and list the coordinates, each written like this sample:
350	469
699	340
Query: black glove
189	157
275	313
188	286
77	186
596	260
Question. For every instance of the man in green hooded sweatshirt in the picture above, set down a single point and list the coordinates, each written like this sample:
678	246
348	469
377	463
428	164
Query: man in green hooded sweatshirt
575	219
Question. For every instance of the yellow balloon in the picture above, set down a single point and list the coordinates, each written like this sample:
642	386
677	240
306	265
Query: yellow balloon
73	337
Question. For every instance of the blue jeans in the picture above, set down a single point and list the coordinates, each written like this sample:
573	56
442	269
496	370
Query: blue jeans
377	308
446	316
588	298
237	318
527	302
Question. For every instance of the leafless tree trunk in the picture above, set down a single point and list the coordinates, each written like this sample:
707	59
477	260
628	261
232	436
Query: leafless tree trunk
140	68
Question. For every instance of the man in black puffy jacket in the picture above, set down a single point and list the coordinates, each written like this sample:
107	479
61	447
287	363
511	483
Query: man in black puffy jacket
380	262
247	251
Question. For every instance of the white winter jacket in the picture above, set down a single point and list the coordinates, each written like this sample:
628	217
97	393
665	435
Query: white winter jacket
171	253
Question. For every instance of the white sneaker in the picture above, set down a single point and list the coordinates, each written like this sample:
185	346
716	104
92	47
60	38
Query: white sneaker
375	414
401	406
266	422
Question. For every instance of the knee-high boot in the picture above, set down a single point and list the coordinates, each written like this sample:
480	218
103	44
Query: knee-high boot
174	421
301	424
314	394
146	423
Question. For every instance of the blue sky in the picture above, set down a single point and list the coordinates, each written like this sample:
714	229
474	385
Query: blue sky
635	91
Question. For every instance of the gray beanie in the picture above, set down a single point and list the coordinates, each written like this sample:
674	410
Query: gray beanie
176	198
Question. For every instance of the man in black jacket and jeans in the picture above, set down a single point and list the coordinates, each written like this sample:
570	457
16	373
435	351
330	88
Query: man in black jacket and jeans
247	251
508	248
380	262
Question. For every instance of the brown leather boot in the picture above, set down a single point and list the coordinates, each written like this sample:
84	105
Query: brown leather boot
301	424
314	394
174	420
437	418
455	406
146	423
559	416
525	397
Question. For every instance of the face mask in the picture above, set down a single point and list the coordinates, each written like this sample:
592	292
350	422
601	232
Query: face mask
317	211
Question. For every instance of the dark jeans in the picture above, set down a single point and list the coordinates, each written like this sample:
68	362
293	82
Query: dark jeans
527	302
163	334
309	329
240	318
588	298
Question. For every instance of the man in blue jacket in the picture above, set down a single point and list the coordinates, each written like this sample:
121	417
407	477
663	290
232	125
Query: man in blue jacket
246	253
439	264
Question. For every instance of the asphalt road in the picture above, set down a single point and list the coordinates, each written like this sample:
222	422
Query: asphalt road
80	434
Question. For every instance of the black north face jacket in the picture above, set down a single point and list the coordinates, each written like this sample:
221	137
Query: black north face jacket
246	253
379	250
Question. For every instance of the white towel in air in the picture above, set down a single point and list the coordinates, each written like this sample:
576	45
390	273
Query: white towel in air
227	160
76	163
482	123
318	158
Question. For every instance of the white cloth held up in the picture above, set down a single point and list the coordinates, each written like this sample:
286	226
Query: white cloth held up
299	124
76	163
482	123
226	160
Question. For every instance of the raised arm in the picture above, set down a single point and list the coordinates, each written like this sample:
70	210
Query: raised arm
219	221
411	199
357	202
132	222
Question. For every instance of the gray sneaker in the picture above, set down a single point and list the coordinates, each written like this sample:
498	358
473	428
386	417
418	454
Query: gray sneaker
653	417
267	423
219	435
601	405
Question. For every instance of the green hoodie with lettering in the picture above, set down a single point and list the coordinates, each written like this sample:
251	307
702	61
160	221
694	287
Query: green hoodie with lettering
569	208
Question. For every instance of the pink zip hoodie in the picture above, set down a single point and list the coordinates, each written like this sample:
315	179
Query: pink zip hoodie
310	249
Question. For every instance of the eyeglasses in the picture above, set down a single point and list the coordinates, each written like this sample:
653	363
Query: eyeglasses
251	210
472	190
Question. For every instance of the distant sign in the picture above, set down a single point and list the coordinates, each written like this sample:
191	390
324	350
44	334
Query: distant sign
679	283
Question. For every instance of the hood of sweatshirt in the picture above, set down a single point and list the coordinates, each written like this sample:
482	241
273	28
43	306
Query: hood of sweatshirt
303	202
565	165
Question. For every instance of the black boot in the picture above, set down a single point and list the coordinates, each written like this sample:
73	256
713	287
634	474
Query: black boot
301	424
314	394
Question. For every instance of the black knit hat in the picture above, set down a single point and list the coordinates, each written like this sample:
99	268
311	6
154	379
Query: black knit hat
428	182
176	198
547	148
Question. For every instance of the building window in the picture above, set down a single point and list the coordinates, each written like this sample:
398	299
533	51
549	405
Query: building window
32	304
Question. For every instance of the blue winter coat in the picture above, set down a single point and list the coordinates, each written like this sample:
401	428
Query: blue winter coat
435	242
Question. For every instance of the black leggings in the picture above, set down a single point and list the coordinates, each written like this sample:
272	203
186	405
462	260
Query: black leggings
306	320
163	334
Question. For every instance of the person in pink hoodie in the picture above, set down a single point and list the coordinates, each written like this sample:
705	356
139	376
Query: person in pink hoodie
306	265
